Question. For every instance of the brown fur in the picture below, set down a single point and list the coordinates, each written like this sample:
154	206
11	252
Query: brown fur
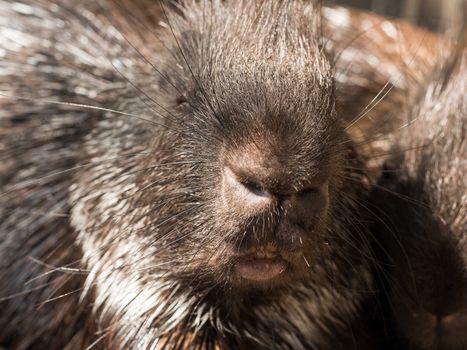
378	63
114	218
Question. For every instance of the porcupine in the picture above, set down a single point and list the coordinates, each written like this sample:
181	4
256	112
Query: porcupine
379	63
420	197
177	213
422	203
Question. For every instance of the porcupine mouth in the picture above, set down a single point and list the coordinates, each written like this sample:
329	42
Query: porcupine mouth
262	266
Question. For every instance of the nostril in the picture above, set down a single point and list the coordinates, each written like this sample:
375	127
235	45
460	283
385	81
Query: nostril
244	187
308	191
305	206
314	192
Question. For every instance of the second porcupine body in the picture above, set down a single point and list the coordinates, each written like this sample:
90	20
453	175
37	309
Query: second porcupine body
422	200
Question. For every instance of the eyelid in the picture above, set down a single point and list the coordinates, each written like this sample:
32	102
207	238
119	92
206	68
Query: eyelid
254	187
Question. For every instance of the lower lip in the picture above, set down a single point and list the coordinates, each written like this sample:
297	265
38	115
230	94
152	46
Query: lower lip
260	269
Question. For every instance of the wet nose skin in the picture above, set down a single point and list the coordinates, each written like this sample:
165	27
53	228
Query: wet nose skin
454	328
303	207
245	194
442	332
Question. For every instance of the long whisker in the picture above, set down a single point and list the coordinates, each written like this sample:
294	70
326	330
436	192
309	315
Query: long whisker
142	55
86	106
378	99
37	180
372	104
24	292
137	88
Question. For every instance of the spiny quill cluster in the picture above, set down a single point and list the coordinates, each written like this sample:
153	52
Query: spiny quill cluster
178	176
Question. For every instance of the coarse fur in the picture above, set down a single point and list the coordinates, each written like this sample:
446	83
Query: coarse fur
379	64
114	232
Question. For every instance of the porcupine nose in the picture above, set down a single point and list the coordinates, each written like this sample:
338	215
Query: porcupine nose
273	204
255	184
444	316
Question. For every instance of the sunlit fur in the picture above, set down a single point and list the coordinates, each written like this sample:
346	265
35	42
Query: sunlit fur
378	64
116	210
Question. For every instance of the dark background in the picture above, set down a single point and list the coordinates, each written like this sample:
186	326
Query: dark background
434	14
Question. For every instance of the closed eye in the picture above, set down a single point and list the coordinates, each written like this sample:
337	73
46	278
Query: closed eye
254	187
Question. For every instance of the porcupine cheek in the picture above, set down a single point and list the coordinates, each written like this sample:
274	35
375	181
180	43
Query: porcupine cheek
274	212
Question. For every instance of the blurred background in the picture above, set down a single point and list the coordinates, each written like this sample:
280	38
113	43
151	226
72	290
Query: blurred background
434	14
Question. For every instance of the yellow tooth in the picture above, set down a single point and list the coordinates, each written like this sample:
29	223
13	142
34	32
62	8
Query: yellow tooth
266	252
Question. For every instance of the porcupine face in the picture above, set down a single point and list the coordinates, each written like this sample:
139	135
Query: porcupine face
237	189
266	126
222	174
214	171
